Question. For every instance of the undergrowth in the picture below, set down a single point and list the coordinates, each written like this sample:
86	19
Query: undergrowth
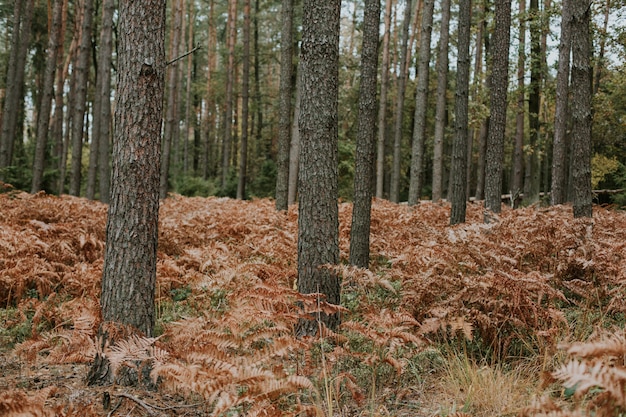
523	316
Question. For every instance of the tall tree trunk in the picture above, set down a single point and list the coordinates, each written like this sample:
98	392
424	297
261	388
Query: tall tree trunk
421	102
188	132
382	109
318	221
482	38
498	105
171	116
230	75
366	138
245	94
558	192
458	173
520	117
257	78
284	124
81	73
440	113
533	170
581	108
600	62
294	149
209	119
22	18
56	128
43	121
99	152
394	193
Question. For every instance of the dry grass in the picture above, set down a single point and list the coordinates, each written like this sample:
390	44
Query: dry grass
508	293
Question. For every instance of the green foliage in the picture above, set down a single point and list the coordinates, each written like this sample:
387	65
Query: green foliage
601	168
190	186
264	183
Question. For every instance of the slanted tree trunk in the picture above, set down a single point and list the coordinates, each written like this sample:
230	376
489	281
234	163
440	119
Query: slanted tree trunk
421	102
458	173
581	108
440	112
558	192
520	117
81	74
394	192
245	94
366	137
22	18
43	121
318	222
498	105
382	107
285	93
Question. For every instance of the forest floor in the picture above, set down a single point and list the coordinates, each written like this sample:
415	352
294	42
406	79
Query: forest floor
523	316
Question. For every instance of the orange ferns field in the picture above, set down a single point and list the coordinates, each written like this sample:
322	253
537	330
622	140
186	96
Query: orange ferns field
523	316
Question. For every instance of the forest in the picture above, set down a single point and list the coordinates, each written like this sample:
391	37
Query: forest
324	208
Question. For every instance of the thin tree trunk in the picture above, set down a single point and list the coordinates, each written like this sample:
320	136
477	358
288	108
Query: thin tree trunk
284	124
498	105
366	138
257	78
188	132
209	120
294	149
558	191
230	75
245	94
43	121
421	102
440	113
458	173
382	109
481	38
80	103
518	150
600	59
394	194
581	108
171	116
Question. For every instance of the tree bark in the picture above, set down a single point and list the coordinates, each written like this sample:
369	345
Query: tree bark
458	173
245	94
394	192
366	137
43	122
285	93
520	117
498	105
558	192
382	109
230	75
294	148
421	102
318	224
581	108
440	113
81	74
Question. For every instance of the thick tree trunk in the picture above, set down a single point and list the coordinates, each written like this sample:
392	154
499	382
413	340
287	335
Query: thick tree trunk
498	105
318	223
421	102
558	192
284	111
382	109
520	117
581	108
394	192
458	174
43	122
440	112
81	74
245	94
366	138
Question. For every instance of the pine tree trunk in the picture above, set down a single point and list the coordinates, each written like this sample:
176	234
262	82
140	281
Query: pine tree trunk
458	173
421	102
245	94
394	192
294	148
366	137
318	223
498	106
558	192
285	93
80	103
230	75
581	109
43	122
440	113
382	110
520	117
